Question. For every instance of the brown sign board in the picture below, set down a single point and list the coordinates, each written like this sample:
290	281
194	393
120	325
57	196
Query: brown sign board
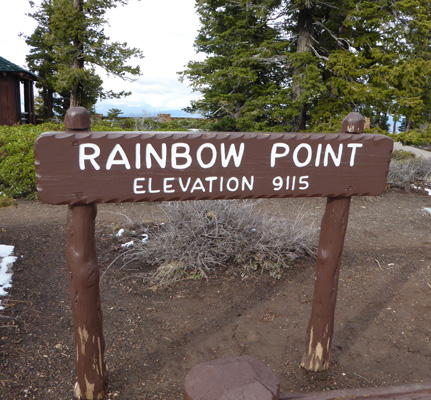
101	167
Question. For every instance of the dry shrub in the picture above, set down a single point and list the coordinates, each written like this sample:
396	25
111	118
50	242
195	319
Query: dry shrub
201	237
406	172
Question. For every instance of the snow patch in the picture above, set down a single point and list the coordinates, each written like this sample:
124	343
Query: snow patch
5	250
420	188
6	261
128	244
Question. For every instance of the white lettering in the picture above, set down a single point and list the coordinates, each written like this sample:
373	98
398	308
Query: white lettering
247	183
232	153
275	154
138	156
290	181
90	157
303	180
184	188
211	179
198	185
318	155
123	158
213	157
176	154
353	146
167	187
150	189
309	155
277	183
236	184
138	188
336	159
152	185
151	152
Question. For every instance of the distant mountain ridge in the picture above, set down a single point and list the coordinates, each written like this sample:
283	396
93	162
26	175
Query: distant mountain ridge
138	111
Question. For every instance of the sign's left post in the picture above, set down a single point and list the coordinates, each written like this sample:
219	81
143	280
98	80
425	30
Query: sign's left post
83	270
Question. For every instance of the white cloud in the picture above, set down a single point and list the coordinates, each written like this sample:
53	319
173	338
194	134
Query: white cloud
163	30
13	21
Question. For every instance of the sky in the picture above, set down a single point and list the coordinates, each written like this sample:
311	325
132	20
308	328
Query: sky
164	30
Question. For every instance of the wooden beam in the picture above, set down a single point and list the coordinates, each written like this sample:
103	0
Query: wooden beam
407	392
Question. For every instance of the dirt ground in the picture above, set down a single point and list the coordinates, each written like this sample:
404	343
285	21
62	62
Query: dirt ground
153	338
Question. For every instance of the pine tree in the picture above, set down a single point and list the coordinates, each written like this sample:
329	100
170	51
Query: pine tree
384	66
67	45
330	57
41	59
242	79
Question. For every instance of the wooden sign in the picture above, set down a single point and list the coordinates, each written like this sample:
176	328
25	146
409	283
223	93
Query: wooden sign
81	168
100	167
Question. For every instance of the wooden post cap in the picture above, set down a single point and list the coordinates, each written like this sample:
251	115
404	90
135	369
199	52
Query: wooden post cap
353	123
77	119
234	378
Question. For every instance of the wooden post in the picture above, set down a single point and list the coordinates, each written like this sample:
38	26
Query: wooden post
331	242
82	266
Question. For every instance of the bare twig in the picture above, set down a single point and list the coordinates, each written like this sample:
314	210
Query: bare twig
7	317
360	376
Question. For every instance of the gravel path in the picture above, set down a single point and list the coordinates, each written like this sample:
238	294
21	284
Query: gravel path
414	150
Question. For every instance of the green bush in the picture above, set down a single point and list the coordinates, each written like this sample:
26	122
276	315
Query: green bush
17	175
402	155
6	201
414	137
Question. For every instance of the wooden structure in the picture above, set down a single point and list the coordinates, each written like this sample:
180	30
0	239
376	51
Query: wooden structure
420	391
130	167
12	79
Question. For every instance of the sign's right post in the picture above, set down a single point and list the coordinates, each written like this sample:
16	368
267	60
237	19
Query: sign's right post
333	230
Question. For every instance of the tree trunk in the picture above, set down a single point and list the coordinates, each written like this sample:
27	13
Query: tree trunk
78	62
47	96
305	38
408	125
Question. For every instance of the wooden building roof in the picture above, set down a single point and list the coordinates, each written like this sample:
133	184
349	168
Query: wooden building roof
7	66
16	94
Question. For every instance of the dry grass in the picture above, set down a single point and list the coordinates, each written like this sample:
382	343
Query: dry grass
203	237
405	172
